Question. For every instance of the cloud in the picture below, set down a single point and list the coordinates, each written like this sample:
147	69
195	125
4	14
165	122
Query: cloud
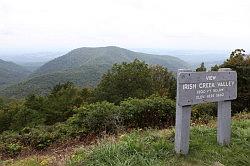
175	24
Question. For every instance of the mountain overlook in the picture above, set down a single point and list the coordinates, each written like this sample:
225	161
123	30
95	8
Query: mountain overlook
84	67
11	73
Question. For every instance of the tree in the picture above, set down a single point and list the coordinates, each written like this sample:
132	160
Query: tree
61	102
163	82
136	80
26	117
201	68
35	102
215	68
1	103
240	62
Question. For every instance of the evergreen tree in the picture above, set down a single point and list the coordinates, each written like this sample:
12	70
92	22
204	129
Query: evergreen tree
201	68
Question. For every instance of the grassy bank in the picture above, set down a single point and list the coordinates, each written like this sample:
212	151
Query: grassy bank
155	147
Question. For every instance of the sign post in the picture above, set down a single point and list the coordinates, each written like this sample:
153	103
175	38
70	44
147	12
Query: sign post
182	126
224	120
200	87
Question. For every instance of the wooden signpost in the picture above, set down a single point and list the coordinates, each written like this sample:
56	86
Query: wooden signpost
201	87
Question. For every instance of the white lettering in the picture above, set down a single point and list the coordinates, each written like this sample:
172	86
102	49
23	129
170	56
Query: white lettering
210	77
206	85
189	86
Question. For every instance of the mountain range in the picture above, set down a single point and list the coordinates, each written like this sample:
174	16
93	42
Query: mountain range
11	73
84	67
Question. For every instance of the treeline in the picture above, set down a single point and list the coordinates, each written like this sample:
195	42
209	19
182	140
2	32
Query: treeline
239	62
119	101
129	95
135	80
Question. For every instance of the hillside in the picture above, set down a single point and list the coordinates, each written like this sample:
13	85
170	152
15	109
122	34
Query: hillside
84	67
11	73
148	147
107	56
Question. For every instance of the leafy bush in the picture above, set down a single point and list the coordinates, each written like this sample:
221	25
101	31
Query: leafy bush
39	137
10	149
150	112
10	143
17	116
204	112
98	117
5	119
26	117
239	62
137	80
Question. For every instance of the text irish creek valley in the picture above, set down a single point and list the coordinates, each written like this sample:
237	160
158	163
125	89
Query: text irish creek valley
208	89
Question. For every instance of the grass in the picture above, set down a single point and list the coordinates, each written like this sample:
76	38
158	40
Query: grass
156	147
31	161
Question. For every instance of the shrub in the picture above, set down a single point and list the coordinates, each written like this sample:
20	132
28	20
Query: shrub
10	137
150	112
26	117
13	149
39	137
10	143
204	112
61	102
65	130
5	119
137	80
19	116
98	117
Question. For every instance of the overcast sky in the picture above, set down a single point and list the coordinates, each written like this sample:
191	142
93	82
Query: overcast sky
40	25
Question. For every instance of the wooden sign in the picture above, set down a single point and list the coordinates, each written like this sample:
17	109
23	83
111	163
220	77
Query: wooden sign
200	87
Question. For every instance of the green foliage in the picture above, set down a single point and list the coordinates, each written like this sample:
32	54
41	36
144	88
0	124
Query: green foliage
163	82
39	137
86	76
215	68
1	103
35	102
32	161
154	147
11	149
84	67
7	114
240	62
15	116
96	118
58	106
124	81
61	102
26	117
150	112
201	68
136	80
11	73
10	143
5	119
204	112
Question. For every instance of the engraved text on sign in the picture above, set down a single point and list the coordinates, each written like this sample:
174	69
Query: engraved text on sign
200	87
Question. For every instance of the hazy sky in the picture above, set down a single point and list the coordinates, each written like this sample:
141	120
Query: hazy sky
40	25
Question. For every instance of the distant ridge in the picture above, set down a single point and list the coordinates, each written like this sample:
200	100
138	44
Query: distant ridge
11	73
84	67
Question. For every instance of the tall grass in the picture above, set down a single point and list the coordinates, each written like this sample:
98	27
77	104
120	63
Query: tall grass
155	147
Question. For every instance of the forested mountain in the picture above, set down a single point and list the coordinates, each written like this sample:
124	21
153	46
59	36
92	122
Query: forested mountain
11	73
105	56
84	67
